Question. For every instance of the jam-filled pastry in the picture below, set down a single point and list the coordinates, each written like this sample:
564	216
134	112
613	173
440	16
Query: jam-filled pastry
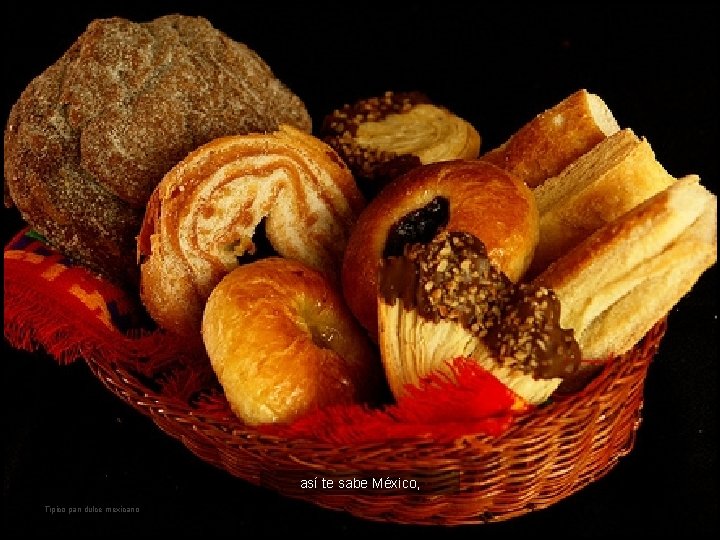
445	299
287	191
383	137
460	195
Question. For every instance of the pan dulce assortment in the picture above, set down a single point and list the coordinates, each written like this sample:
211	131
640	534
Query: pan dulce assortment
315	269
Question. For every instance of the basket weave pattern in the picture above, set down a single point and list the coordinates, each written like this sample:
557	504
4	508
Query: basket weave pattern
551	453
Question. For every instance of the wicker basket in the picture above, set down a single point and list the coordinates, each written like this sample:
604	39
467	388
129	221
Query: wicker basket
548	455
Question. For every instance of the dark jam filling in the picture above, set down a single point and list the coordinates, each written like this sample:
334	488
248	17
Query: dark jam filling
418	227
263	247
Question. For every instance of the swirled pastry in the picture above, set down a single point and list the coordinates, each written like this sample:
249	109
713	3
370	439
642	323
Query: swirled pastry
209	210
383	137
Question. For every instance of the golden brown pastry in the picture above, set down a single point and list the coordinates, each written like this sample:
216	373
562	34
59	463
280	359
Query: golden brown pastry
90	138
282	342
445	299
285	189
468	196
619	282
555	138
612	178
382	137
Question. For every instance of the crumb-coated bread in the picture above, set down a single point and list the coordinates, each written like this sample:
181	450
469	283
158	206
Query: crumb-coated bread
555	138
90	138
283	343
382	137
462	195
285	191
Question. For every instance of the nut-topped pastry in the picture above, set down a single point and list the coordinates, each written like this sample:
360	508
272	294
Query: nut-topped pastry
446	299
382	137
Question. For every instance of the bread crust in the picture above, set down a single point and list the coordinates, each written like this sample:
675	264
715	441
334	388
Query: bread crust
282	342
555	138
205	211
484	200
89	139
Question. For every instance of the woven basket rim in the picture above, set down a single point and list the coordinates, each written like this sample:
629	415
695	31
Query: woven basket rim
243	450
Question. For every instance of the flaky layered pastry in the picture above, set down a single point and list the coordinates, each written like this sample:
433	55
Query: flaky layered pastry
382	137
205	213
619	282
600	186
445	299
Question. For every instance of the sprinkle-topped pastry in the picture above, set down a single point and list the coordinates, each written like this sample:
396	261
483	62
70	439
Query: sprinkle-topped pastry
382	137
446	299
529	337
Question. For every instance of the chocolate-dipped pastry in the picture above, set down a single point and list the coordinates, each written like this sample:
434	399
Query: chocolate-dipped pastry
380	138
446	299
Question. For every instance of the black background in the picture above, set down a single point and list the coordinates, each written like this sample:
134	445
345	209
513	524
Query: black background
69	442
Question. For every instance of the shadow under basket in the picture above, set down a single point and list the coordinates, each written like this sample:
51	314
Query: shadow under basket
546	455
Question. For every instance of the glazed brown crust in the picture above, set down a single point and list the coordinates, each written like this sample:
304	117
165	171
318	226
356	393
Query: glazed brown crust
555	138
90	138
484	201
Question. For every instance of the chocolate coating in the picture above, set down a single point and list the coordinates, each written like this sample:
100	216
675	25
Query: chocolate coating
451	278
377	166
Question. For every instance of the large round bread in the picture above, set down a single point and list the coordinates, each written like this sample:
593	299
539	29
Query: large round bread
283	343
482	199
91	137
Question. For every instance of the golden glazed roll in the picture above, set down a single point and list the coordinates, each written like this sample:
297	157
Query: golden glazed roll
283	343
555	138
465	196
286	188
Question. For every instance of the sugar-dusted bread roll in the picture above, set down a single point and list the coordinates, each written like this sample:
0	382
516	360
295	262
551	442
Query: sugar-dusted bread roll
555	138
214	209
615	285
615	176
90	138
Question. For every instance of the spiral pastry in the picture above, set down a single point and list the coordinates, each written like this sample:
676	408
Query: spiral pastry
382	137
286	191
